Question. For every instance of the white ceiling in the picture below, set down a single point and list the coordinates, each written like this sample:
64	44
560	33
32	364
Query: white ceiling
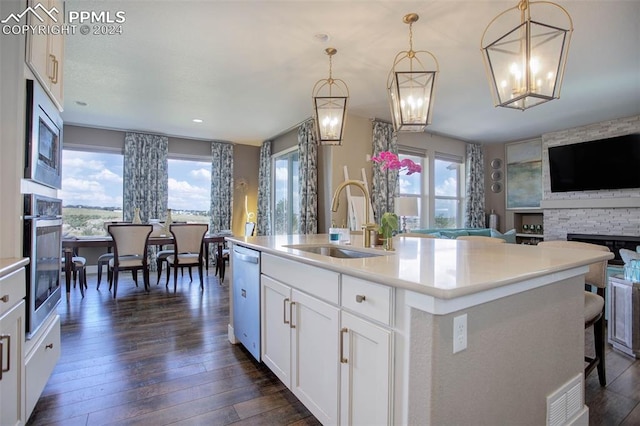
247	68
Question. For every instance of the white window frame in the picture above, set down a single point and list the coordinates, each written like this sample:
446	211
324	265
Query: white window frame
274	157
459	197
423	197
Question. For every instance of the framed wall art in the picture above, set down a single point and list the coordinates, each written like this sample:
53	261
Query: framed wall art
524	174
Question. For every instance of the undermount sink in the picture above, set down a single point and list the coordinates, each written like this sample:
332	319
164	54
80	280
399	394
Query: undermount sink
333	251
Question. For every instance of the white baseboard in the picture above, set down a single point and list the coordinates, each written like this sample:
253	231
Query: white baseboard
231	335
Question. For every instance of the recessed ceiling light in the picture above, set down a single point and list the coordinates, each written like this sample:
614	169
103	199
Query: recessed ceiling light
81	103
197	120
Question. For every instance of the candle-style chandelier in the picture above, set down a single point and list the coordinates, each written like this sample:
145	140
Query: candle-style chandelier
411	85
330	106
525	65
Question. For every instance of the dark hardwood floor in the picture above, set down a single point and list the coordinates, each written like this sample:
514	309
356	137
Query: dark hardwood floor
159	358
164	358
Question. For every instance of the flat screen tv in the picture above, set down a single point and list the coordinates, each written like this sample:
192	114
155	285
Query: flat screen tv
611	163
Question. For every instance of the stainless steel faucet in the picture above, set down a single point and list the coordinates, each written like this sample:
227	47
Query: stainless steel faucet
367	227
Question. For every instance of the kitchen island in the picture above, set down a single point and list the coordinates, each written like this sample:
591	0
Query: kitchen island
435	332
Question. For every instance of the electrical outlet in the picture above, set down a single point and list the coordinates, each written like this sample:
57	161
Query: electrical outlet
459	333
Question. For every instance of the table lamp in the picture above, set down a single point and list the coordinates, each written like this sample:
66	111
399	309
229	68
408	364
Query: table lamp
406	206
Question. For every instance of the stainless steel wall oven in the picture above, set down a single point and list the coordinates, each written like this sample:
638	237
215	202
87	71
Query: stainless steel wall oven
43	245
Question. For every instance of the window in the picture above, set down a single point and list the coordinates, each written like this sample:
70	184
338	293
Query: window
286	194
91	191
447	191
189	190
412	186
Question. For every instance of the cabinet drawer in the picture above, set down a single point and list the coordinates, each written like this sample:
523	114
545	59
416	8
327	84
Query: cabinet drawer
40	363
12	290
368	299
310	279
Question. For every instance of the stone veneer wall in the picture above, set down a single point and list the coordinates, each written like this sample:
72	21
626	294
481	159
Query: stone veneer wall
607	212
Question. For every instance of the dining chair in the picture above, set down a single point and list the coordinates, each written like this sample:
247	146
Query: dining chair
188	246
129	252
594	304
105	258
79	270
164	253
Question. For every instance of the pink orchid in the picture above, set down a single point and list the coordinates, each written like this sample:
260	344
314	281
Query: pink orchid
389	160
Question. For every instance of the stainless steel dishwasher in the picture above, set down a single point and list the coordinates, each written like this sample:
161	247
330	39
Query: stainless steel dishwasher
246	298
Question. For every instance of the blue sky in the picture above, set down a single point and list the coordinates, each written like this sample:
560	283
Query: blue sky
95	179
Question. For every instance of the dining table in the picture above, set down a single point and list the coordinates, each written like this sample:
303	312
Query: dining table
70	246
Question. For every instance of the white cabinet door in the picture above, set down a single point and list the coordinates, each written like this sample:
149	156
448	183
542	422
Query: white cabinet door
12	356
365	372
275	328
315	369
45	52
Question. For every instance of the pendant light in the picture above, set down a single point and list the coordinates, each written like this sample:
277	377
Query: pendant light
411	85
330	106
525	59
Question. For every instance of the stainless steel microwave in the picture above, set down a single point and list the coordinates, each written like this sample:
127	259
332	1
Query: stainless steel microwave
43	148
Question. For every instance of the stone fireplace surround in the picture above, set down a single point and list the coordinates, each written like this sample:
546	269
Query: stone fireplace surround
598	213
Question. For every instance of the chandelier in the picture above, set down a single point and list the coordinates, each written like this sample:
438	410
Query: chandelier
411	85
330	106
525	64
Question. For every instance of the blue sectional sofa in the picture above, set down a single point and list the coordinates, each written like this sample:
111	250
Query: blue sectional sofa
509	236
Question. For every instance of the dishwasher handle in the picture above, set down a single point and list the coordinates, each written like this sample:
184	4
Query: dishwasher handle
245	257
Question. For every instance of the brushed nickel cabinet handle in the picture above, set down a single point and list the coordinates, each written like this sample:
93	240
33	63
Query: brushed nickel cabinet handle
343	360
5	298
6	337
55	71
360	298
291	325
284	310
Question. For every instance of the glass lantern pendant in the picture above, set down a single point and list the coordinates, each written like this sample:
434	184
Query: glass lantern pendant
525	63
330	106
411	85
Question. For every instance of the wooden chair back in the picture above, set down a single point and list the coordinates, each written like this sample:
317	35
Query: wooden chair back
130	240
188	237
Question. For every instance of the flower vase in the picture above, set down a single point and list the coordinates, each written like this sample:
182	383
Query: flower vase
136	216
388	244
167	223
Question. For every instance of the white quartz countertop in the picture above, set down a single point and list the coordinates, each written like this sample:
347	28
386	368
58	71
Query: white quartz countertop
441	268
8	265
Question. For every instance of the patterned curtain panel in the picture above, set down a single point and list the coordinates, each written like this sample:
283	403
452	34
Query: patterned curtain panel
474	206
384	183
264	191
221	186
145	177
308	178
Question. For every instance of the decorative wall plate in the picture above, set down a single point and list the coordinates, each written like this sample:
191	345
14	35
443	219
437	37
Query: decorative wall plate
496	163
496	187
496	175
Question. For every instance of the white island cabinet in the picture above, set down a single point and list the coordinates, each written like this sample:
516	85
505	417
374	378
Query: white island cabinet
12	335
300	332
378	340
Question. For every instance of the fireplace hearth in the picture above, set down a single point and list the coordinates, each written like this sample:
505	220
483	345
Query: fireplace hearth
614	242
